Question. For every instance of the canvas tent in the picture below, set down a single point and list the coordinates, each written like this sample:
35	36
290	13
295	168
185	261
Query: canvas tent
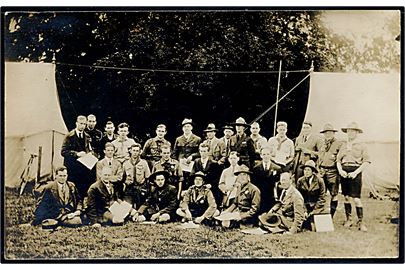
373	101
32	118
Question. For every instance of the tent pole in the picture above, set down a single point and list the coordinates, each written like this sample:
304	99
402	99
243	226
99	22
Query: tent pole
52	152
39	165
278	92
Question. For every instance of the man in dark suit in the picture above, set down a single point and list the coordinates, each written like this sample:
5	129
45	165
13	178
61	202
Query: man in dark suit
243	144
59	202
101	196
75	145
95	134
210	168
186	146
265	177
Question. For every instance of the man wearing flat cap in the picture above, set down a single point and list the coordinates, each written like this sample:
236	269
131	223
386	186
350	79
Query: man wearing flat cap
289	210
352	159
198	204
162	203
212	141
308	142
312	189
247	201
327	164
186	146
243	144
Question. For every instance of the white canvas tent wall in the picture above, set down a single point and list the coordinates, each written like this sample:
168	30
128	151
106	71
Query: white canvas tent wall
32	118
373	101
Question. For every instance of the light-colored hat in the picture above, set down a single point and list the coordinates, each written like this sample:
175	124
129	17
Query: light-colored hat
328	127
240	122
210	127
310	164
354	126
187	121
243	169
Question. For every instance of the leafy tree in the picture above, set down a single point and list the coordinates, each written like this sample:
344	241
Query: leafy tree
175	40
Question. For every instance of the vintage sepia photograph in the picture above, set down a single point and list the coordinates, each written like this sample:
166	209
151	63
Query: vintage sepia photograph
188	134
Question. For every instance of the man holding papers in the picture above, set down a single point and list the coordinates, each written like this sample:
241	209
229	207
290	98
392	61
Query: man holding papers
76	145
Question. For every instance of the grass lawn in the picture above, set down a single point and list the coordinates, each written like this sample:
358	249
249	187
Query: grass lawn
135	241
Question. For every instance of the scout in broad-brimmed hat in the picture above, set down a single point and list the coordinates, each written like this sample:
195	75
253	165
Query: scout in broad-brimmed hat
228	126
328	127
310	164
353	126
159	172
240	122
198	174
187	121
243	169
210	127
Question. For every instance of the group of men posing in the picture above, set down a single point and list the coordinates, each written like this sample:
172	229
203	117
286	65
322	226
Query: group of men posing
276	184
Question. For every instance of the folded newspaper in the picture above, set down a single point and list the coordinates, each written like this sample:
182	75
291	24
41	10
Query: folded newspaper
186	167
88	160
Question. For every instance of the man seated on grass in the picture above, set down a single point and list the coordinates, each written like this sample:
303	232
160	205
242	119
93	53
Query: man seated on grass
313	190
101	196
198	203
247	201
59	202
162	203
136	190
288	214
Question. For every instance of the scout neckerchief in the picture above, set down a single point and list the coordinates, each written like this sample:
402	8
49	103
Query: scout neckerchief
329	144
280	141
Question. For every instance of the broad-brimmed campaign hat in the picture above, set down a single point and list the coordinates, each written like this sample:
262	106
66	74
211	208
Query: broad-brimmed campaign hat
159	172
270	222
210	127
187	121
354	126
240	122
310	164
228	126
200	174
328	127
242	169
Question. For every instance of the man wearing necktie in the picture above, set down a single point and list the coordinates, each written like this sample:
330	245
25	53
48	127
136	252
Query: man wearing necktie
265	176
243	144
59	201
212	141
75	145
224	145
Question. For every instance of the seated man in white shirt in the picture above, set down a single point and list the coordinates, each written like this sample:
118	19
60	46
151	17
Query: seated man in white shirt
228	179
282	148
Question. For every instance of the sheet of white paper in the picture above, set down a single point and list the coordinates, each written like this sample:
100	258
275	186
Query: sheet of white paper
323	223
232	194
184	166
188	225
280	158
120	210
228	216
256	231
88	160
148	222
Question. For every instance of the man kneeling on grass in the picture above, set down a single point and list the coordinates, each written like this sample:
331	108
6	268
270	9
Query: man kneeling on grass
162	203
198	204
101	196
247	201
58	203
288	214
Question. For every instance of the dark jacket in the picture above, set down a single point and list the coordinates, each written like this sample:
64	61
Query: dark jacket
184	148
72	144
136	194
96	137
314	194
52	206
244	145
162	200
248	201
266	180
99	200
200	201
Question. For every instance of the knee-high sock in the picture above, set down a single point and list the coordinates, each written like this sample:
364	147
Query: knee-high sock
359	211
333	207
348	210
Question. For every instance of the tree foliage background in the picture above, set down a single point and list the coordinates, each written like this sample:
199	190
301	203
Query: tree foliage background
85	42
